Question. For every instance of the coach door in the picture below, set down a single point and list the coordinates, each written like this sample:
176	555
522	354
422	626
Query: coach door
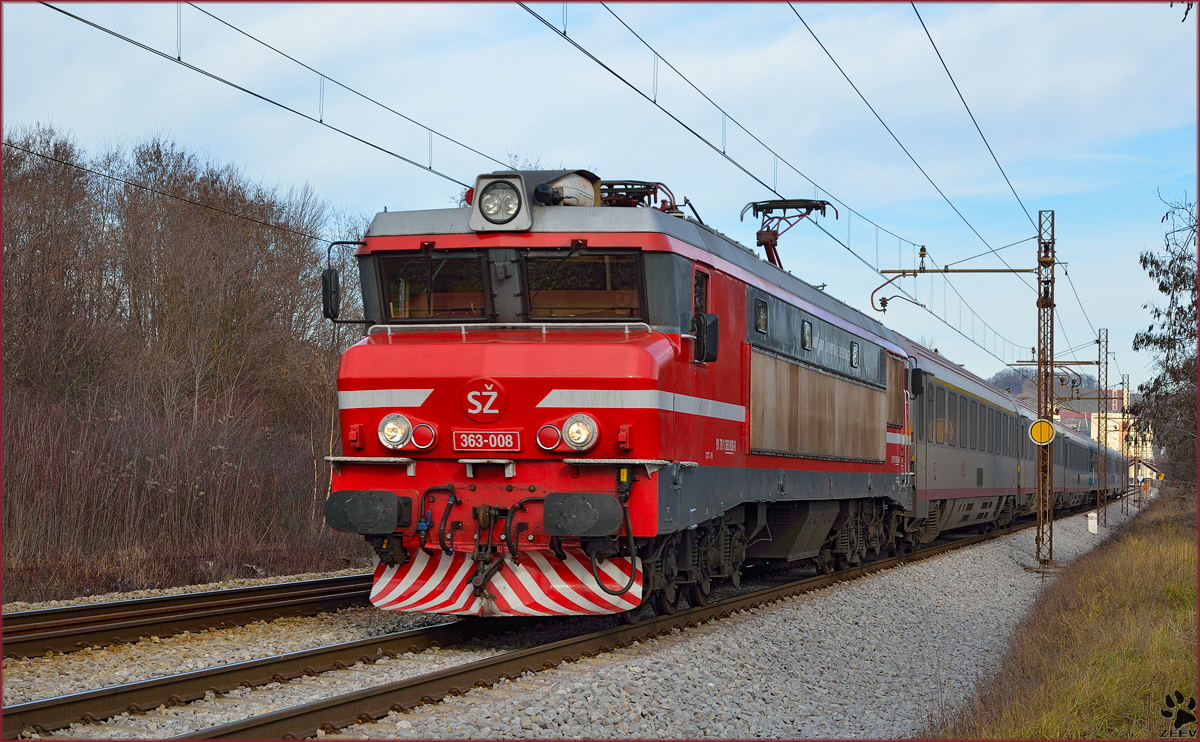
921	409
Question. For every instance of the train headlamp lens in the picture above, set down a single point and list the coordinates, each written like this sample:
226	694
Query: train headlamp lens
394	430
580	432
499	202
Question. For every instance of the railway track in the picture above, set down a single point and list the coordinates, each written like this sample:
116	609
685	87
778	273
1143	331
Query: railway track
372	703
31	633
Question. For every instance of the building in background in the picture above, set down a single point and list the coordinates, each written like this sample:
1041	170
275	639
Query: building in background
1078	415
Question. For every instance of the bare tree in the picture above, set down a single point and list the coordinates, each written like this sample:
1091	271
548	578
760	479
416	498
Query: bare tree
1168	405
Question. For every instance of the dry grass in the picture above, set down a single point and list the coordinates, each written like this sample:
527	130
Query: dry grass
1104	643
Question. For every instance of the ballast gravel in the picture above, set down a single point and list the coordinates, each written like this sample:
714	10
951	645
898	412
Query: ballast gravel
57	674
876	657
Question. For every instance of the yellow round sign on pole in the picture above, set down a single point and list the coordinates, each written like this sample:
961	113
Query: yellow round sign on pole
1041	432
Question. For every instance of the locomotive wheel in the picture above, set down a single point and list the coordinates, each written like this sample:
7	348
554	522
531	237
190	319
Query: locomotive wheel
633	615
667	605
697	595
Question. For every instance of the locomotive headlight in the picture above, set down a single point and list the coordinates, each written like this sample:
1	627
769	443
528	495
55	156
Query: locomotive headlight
580	432
499	202
394	430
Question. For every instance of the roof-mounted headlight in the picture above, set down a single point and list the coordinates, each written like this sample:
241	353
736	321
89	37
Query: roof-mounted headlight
499	202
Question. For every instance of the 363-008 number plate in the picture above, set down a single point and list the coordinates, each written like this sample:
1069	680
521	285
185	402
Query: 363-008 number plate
487	440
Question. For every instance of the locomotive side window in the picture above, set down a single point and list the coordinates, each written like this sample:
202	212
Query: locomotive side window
974	425
700	294
806	339
583	286
940	416
433	286
760	316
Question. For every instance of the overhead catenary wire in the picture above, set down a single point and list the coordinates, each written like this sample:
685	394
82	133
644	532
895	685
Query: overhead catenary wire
157	192
347	88
972	115
1073	291
918	165
260	96
777	158
725	116
993	154
417	164
989	252
902	147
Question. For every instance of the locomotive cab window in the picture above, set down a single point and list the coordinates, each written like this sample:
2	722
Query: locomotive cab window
433	285
583	286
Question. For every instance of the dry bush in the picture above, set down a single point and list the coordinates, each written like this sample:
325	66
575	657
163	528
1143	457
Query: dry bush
168	377
1105	642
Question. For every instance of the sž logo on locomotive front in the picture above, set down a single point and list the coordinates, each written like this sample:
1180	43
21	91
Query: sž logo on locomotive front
484	400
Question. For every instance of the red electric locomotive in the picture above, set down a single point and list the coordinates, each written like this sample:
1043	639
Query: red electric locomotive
572	401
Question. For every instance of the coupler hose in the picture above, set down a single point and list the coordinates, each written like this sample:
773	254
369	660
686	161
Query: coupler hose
451	501
508	522
632	559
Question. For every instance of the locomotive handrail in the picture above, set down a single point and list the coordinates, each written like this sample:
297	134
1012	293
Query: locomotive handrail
545	326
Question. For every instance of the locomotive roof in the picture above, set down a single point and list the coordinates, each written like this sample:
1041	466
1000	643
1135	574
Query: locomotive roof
568	219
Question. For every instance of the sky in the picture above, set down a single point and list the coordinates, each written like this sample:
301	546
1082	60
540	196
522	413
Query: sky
1090	109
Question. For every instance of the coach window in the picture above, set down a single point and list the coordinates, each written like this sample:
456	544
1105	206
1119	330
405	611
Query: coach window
939	416
990	430
974	425
964	431
983	427
951	417
432	285
592	286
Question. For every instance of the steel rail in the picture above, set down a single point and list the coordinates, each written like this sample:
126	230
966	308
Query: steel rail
48	714
369	704
30	633
45	715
